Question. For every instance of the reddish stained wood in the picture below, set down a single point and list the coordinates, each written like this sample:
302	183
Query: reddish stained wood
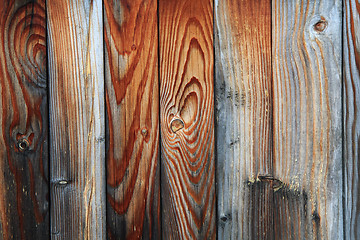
186	98
132	105
351	59
24	206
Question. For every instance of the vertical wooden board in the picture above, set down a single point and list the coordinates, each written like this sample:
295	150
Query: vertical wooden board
351	59
77	116
24	200
307	118
186	117
243	118
132	105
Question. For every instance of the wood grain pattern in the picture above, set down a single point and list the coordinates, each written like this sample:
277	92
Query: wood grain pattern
24	195
307	119
351	59
186	117
132	104
77	115
243	118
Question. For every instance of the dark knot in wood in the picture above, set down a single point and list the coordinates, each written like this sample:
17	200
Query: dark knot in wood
23	145
321	25
176	125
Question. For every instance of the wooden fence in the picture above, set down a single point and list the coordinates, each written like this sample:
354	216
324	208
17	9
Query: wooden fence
179	119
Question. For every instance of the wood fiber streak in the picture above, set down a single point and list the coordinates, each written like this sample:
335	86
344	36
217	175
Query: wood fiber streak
351	59
132	105
307	107
243	118
186	117
77	115
24	195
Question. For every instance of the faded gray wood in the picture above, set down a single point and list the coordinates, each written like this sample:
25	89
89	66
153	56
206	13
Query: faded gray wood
76	77
351	59
243	119
307	119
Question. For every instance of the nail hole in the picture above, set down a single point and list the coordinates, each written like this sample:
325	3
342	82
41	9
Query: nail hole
144	132
62	182
176	125
23	145
321	25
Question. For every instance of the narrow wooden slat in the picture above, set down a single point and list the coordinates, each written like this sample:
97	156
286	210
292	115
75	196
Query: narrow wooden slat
24	205
243	110
351	59
77	116
307	119
186	117
132	104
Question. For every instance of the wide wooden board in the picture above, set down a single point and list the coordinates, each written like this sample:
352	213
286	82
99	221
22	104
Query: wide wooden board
243	119
186	119
307	103
132	105
77	116
24	189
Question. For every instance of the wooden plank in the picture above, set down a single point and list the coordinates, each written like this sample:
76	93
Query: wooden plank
24	190
307	119
243	123
132	103
77	115
186	117
351	59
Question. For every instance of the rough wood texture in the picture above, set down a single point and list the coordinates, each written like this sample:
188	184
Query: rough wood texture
186	116
307	119
24	206
132	104
351	59
243	118
77	115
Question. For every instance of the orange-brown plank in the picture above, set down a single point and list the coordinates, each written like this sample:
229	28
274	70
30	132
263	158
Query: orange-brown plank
132	105
24	195
186	117
77	117
307	103
351	60
243	119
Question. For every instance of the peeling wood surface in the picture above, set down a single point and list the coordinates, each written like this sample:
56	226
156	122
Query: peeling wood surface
132	104
24	195
77	130
186	117
307	105
243	118
351	56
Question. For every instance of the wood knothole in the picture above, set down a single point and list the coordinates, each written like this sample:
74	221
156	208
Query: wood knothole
321	25
23	145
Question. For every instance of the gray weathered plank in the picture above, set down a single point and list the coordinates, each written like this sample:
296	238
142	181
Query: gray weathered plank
243	118
307	119
351	59
77	132
24	204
